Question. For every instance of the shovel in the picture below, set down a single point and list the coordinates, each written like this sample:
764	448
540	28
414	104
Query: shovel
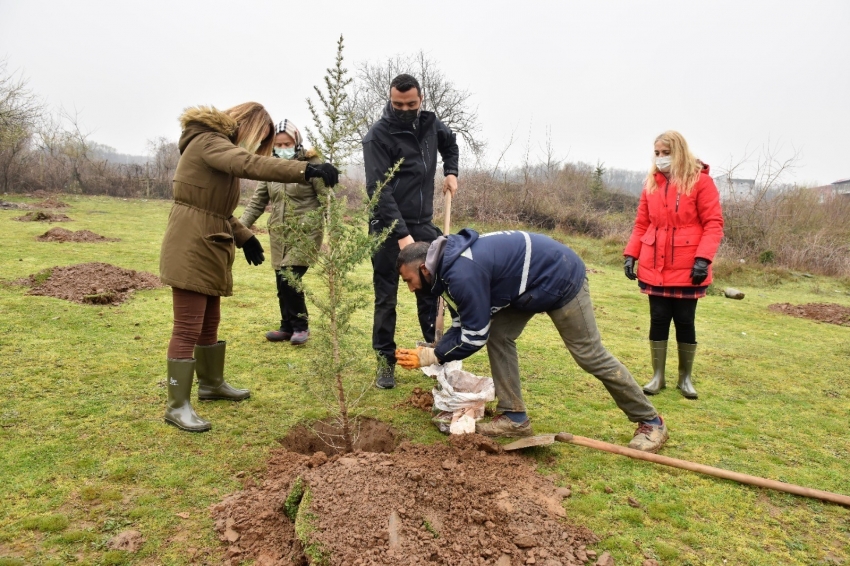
441	303
546	439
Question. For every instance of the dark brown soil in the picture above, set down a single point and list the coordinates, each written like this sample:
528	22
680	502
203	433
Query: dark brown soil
461	503
421	399
822	312
42	216
257	230
62	235
90	283
51	202
370	436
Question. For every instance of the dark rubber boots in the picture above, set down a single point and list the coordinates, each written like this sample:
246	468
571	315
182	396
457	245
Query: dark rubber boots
687	352
209	364
210	368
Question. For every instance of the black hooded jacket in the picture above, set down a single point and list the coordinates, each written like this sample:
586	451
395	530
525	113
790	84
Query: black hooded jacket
409	196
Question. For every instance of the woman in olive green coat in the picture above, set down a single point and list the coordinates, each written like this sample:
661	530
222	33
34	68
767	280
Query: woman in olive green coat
217	148
288	200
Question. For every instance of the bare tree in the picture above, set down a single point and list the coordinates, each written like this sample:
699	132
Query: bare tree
20	110
163	155
452	105
750	213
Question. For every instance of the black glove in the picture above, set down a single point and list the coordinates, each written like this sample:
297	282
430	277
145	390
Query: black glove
629	267
253	251
699	271
328	173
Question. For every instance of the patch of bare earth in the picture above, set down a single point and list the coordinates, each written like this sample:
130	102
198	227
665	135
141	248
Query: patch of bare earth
821	312
5	205
466	502
42	216
257	230
51	202
62	235
90	283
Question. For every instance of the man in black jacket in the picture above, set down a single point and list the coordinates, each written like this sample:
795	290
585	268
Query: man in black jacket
404	132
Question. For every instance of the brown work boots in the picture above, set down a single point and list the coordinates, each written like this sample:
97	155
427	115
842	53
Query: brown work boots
505	427
649	437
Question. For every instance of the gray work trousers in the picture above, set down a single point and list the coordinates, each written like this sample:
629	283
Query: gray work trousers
577	326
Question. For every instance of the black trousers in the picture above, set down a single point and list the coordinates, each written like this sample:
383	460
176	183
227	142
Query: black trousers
681	311
385	281
293	306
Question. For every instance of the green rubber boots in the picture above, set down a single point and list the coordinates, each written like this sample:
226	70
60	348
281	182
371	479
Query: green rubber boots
179	411
687	352
209	365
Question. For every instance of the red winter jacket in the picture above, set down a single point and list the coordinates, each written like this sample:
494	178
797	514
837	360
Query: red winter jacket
672	229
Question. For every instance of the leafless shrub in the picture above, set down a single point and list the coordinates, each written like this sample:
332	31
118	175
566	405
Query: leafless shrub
773	222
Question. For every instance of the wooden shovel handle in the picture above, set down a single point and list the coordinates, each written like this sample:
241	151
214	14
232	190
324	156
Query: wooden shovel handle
708	470
441	305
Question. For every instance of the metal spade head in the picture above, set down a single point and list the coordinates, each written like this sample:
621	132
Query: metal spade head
539	440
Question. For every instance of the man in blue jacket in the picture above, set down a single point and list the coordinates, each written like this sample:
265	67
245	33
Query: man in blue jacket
493	284
404	132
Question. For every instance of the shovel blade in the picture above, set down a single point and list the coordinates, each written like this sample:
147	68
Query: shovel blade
539	440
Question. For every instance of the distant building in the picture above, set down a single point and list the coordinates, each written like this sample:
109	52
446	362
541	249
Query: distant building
841	187
734	188
835	189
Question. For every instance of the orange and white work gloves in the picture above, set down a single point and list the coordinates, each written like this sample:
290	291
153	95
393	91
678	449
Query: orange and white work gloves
412	358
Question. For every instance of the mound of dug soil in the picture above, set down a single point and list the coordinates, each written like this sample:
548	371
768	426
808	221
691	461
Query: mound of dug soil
91	283
463	503
257	230
41	216
822	312
51	202
62	235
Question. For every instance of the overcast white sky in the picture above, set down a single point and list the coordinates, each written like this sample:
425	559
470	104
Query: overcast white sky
605	76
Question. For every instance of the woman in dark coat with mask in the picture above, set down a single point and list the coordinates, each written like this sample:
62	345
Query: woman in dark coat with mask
288	201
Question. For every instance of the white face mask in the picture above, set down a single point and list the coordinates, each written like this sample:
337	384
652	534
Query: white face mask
285	152
663	163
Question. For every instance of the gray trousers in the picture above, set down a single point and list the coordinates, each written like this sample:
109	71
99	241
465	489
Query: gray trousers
577	326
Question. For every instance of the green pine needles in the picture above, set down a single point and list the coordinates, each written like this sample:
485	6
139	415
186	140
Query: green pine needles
338	352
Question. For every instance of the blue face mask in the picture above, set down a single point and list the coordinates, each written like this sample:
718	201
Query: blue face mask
285	152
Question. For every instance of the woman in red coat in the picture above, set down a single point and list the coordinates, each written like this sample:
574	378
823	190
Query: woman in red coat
677	231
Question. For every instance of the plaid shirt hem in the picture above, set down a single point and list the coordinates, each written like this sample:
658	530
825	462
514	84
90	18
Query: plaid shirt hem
673	292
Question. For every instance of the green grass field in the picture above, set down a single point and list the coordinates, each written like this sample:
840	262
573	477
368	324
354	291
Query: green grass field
84	452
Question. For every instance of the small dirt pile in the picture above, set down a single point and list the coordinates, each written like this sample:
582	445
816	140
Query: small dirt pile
42	216
421	399
257	230
463	503
90	283
62	235
51	202
822	312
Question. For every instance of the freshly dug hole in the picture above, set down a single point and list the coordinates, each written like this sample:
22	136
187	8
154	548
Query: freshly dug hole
465	502
371	435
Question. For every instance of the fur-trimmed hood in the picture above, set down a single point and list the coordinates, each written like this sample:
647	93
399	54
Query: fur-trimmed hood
198	119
